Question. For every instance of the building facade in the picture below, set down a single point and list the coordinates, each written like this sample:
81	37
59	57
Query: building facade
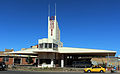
50	52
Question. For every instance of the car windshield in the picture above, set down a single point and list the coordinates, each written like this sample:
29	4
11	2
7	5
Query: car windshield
96	67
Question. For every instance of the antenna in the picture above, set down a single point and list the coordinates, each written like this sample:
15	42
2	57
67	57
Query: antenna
55	9
49	10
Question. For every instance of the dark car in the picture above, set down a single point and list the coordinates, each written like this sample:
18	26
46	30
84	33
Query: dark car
78	64
3	66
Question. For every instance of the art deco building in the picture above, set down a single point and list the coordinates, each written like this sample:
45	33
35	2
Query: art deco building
50	51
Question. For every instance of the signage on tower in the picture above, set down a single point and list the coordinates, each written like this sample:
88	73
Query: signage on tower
51	26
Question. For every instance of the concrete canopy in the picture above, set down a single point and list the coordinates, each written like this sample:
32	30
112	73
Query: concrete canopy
85	51
67	50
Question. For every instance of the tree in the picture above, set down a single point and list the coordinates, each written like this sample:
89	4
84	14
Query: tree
29	60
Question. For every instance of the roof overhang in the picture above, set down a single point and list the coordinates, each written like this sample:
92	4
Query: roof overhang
45	51
84	51
67	50
23	53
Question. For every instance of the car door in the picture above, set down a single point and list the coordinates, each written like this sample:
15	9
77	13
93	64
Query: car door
98	69
93	69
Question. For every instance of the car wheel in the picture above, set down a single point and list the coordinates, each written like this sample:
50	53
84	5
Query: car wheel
101	71
88	71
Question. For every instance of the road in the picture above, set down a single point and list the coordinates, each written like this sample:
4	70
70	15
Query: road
23	72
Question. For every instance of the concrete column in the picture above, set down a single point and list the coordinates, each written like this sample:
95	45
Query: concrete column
52	63
21	61
38	61
13	60
52	45
62	63
43	45
34	60
48	45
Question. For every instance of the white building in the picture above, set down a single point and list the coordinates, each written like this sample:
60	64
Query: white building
51	53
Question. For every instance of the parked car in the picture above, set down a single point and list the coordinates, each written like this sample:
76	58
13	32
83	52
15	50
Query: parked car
95	69
83	64
3	66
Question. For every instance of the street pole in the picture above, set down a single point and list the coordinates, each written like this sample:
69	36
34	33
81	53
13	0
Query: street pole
118	62
108	60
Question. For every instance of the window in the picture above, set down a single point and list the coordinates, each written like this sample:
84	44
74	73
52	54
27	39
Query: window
98	67
93	67
47	61
55	61
55	46
45	45
29	60
50	45
17	60
6	59
41	45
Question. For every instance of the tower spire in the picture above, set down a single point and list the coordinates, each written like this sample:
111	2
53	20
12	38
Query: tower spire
55	9
49	10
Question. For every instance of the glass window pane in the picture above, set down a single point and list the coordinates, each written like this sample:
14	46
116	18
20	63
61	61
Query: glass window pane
47	61
45	45
41	45
6	59
53	45
17	60
50	45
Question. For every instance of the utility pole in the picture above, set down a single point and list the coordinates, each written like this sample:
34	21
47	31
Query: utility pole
108	60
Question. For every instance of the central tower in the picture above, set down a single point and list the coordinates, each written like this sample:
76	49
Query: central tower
53	40
53	28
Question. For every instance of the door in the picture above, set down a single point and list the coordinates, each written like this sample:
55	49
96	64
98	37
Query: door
96	69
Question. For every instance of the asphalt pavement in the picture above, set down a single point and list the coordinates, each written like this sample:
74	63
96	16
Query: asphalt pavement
26	72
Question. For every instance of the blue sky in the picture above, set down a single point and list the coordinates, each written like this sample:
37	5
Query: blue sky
83	23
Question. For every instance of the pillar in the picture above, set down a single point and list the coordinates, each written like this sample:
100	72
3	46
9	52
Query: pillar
13	60
62	61
38	61
52	63
43	45
21	61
